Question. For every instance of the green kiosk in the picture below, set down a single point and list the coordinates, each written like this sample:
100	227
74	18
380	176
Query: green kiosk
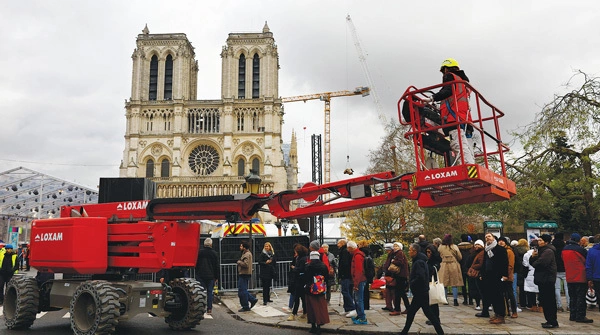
535	229
493	227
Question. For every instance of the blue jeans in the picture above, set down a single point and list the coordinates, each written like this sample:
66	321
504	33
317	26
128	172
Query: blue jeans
243	294
560	276
347	295
208	285
359	300
515	286
454	292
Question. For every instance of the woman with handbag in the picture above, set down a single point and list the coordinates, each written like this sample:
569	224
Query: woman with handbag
450	271
390	281
401	275
316	303
474	263
433	263
419	285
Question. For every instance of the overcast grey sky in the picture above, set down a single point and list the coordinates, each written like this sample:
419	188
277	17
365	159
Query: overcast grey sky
66	66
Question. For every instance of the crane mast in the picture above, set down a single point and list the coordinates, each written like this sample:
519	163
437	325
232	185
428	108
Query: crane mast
363	63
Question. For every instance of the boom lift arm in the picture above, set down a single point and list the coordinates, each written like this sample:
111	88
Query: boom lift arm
366	191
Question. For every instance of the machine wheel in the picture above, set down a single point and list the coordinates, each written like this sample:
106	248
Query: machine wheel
94	308
193	304
21	302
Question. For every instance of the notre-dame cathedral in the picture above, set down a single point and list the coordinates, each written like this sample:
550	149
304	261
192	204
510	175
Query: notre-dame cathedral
195	147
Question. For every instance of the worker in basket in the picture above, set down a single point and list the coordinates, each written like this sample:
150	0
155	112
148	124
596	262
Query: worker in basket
454	107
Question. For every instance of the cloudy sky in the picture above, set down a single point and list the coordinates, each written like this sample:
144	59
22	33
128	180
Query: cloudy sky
66	66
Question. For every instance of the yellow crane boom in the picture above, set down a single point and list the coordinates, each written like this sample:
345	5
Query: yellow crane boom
326	97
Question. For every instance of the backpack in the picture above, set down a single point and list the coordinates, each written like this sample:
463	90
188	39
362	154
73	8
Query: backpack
318	285
369	266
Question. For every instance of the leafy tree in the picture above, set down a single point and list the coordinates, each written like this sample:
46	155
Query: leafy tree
385	223
560	155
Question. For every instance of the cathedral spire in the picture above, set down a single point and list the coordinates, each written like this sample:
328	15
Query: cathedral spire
146	31
266	28
294	146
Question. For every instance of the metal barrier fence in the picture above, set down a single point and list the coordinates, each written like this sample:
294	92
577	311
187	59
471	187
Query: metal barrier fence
229	277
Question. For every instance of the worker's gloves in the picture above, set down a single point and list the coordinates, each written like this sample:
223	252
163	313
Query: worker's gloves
426	99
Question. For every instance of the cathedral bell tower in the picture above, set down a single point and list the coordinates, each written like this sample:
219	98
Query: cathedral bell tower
192	147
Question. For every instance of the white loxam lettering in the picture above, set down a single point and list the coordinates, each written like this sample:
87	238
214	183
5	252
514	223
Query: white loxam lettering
49	237
440	175
132	205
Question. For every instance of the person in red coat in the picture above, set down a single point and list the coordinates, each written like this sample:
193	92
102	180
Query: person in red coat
574	258
359	280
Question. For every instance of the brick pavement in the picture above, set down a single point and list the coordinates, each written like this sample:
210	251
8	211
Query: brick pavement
455	320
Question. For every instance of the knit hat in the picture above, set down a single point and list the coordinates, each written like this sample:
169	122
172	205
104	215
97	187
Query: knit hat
479	242
388	246
314	255
399	245
576	237
546	238
514	243
9	246
315	245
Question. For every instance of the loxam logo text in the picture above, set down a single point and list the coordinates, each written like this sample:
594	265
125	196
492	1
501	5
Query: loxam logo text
48	237
127	206
441	175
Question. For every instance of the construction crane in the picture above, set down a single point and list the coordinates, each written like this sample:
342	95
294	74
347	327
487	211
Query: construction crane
363	63
326	97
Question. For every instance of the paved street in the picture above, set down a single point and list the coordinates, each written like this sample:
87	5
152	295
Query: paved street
455	320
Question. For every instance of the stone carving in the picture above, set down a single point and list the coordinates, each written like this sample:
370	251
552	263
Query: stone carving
248	149
156	150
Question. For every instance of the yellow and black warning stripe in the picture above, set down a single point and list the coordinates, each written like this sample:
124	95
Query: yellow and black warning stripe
472	171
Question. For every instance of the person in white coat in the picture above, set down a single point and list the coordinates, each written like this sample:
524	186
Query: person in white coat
531	289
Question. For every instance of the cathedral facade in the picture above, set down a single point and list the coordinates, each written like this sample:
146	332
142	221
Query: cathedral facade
193	147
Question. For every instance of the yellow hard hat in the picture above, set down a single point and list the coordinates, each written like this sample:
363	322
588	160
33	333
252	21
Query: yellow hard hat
449	62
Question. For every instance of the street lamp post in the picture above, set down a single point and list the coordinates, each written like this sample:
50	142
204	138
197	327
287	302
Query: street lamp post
252	186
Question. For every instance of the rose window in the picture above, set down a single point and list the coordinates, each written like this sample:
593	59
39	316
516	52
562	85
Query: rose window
204	160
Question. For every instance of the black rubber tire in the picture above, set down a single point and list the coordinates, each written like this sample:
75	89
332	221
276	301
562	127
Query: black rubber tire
193	299
94	308
21	302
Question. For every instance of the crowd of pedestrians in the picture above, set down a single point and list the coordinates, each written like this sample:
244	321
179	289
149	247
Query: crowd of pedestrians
497	276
